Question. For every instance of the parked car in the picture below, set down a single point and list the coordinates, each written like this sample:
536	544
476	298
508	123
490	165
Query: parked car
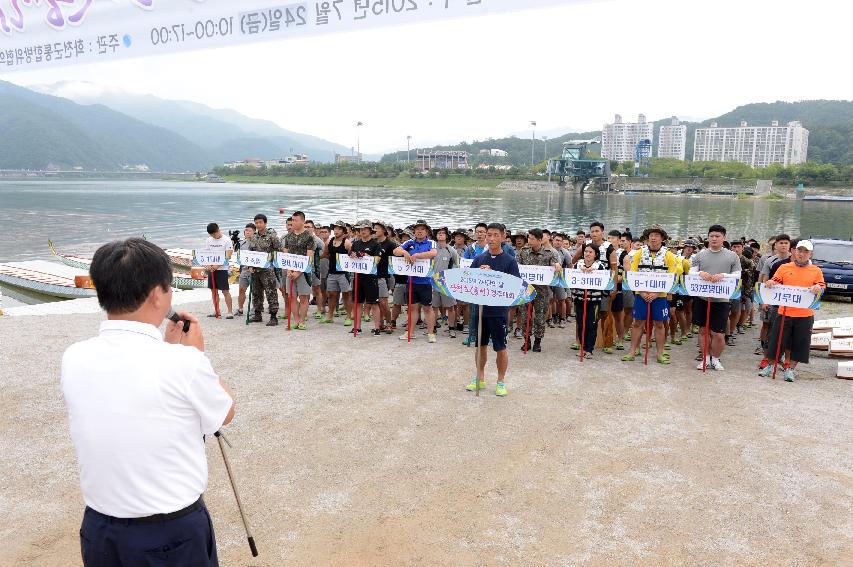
835	259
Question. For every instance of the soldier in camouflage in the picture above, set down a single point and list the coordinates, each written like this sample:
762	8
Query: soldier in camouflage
263	279
536	254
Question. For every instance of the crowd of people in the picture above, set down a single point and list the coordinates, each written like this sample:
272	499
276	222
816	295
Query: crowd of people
605	321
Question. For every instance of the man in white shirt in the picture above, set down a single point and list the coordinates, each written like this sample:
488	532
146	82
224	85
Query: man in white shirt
218	242
138	409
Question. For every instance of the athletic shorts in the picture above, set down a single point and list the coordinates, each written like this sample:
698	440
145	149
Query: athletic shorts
383	288
796	337
441	300
617	304
368	289
605	303
300	285
338	282
221	279
679	302
747	303
315	279
245	277
660	309
628	299
559	293
401	294
735	305
493	328
719	314
422	293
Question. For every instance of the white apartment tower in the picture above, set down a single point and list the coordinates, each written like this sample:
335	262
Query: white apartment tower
672	142
759	146
619	140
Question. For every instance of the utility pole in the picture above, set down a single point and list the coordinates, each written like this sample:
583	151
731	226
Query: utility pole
408	150
532	142
358	140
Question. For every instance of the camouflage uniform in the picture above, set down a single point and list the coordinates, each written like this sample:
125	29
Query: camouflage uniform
263	280
544	257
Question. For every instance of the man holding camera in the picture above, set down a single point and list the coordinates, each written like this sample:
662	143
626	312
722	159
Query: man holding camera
139	406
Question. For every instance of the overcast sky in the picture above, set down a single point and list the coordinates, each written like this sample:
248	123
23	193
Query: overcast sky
569	66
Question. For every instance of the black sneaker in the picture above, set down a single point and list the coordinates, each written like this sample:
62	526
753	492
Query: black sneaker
537	345
256	318
273	322
376	332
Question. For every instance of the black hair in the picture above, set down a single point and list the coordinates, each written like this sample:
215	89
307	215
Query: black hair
537	233
748	253
717	228
755	245
212	228
737	243
298	214
615	233
626	236
727	245
125	271
795	242
495	226
260	216
784	237
580	232
289	219
544	231
251	225
309	221
598	224
479	224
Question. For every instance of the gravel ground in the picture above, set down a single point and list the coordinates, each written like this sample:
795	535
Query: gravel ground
368	451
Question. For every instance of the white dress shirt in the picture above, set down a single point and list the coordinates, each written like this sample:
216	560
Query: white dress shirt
138	407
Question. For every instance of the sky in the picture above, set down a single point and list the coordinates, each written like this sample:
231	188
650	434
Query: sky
568	67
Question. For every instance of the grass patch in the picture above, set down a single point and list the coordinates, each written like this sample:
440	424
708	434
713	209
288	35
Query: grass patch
402	181
773	197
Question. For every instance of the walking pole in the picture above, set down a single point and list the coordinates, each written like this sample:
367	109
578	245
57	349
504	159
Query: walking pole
220	438
527	331
290	304
409	310
251	287
355	319
583	324
477	349
779	345
648	329
215	297
707	334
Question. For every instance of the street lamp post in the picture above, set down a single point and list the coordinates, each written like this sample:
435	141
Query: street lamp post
532	142
408	150
358	139
545	139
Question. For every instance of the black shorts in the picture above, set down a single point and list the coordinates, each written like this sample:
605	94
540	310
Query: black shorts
617	304
221	278
422	293
493	328
679	302
719	314
368	289
796	337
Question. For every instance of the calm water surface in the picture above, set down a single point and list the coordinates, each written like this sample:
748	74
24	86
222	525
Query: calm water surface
80	215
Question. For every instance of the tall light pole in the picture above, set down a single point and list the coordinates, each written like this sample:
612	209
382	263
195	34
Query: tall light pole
532	142
408	150
358	139
545	139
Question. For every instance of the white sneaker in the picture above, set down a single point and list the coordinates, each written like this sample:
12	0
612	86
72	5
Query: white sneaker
707	363
716	364
431	338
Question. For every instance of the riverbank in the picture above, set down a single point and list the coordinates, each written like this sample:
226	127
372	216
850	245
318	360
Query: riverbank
401	181
377	456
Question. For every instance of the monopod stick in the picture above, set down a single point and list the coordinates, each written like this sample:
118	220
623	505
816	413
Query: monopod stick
220	438
779	345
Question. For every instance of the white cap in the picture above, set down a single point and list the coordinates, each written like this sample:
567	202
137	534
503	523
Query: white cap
807	244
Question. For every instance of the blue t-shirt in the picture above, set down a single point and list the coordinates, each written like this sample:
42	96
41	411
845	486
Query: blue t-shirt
416	247
503	262
474	250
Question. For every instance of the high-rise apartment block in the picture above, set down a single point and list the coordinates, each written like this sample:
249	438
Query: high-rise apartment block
672	142
759	146
619	139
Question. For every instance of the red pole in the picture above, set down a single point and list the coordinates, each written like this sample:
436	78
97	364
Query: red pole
355	318
779	345
215	296
583	324
409	326
290	304
707	334
527	330
648	329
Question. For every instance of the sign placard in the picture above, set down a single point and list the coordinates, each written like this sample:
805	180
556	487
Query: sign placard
363	265
293	262
397	266
483	287
786	295
539	275
660	282
209	258
253	259
727	288
603	280
465	262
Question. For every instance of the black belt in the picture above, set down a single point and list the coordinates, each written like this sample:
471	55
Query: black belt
156	517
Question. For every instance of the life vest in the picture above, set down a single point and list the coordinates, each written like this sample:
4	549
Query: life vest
650	264
592	294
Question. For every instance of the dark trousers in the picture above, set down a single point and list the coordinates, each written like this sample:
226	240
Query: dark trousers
590	334
112	542
796	337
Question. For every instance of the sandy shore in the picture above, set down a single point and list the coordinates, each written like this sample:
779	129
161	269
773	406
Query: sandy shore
368	451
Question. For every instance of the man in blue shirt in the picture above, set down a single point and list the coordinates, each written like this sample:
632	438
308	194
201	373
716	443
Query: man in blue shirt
494	318
420	248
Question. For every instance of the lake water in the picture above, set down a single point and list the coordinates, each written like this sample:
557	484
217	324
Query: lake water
80	215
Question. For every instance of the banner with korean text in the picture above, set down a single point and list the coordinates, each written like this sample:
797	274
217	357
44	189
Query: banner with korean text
208	258
293	262
786	295
483	287
36	34
660	282
727	288
604	280
539	275
397	266
363	265
253	259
